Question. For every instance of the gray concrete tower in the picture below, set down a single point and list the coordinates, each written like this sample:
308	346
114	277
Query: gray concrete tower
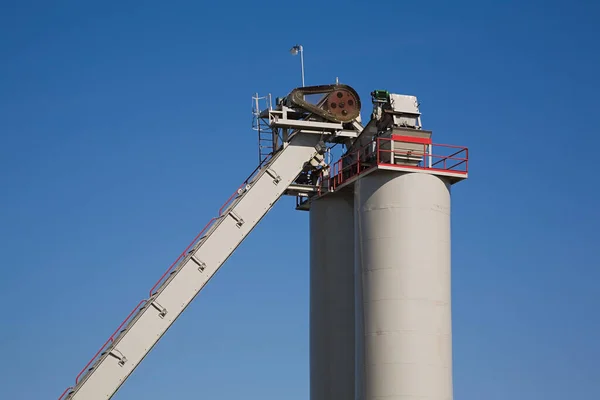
332	297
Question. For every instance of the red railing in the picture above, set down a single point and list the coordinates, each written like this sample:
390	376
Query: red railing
110	339
162	279
379	152
67	390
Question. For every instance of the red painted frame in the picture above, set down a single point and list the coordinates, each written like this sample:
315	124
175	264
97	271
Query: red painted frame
339	174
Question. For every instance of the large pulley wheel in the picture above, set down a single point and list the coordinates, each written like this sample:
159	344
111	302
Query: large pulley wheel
340	103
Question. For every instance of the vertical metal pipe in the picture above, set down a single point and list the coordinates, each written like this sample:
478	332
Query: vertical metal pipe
403	251
302	63
332	297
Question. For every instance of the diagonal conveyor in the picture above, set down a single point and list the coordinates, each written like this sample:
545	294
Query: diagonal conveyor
123	352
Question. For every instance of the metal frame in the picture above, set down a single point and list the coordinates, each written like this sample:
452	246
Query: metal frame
283	122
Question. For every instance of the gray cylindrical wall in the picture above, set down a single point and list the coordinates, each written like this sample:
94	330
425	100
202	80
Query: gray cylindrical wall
403	253
332	297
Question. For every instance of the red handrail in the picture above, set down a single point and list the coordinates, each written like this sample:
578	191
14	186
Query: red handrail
110	340
65	392
182	255
354	168
226	204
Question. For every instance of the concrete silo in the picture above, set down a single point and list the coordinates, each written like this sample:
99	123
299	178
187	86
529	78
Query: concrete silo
401	185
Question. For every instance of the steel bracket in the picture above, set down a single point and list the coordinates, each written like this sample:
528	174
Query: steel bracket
119	356
274	175
239	221
201	265
161	310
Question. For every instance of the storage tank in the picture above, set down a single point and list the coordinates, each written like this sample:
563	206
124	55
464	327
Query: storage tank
332	297
403	255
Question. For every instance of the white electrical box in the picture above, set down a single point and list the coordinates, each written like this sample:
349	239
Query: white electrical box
404	104
406	110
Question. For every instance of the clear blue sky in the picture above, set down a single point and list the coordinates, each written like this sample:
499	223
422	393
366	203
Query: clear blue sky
124	125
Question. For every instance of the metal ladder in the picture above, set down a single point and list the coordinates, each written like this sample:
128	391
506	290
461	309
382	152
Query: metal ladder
265	143
152	317
267	136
